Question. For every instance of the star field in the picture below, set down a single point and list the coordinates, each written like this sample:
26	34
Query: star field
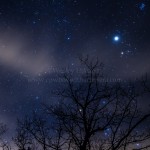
38	35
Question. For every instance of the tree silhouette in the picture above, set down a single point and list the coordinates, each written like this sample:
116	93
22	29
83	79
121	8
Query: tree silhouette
4	145
91	109
92	115
40	130
23	139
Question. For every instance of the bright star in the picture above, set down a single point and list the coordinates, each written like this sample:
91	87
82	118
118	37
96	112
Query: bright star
116	38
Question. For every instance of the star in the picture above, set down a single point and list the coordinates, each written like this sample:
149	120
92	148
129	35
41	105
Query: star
37	97
116	38
137	144
105	133
34	22
122	53
142	6
68	38
104	102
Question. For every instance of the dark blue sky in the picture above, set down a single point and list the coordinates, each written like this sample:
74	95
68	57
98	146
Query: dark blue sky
38	35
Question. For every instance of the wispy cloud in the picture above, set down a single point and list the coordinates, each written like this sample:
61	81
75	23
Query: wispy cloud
18	53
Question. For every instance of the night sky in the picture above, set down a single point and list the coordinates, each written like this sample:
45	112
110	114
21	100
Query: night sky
39	37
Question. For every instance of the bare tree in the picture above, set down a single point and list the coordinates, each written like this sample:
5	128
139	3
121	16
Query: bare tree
42	131
37	129
23	139
4	145
90	114
92	109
